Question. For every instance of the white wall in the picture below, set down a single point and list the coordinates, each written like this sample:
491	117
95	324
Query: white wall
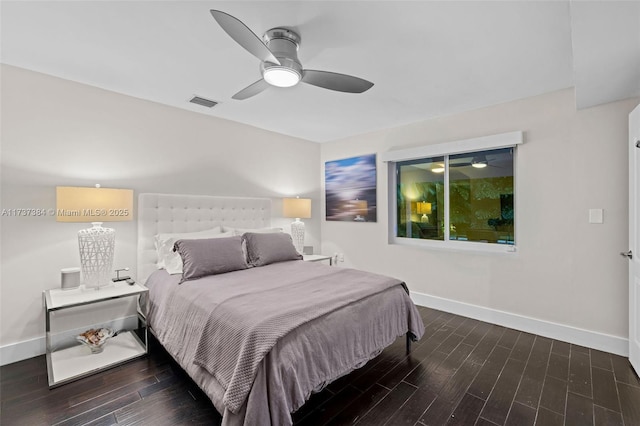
56	132
567	273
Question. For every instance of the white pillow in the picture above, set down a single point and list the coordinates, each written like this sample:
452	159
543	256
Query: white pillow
164	244
240	231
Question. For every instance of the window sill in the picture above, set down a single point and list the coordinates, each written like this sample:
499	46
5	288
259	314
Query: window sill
457	246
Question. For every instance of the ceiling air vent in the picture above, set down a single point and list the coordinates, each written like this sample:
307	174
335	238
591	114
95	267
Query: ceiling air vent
202	101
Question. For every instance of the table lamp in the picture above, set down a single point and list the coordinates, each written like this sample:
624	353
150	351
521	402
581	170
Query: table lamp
298	208
96	244
423	208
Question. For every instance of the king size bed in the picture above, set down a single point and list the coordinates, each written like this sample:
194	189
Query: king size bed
256	328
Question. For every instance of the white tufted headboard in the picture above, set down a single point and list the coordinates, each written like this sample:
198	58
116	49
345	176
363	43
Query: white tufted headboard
167	213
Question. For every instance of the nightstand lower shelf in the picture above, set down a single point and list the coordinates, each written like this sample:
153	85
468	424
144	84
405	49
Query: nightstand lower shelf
78	361
317	258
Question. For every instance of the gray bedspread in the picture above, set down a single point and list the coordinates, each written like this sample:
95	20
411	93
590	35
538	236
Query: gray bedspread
259	341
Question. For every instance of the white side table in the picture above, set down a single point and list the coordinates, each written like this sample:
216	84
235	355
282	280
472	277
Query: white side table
73	360
317	258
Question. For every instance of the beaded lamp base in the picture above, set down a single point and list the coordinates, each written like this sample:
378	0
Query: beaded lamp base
96	254
297	235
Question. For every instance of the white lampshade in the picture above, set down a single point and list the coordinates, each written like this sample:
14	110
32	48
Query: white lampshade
96	244
296	208
86	204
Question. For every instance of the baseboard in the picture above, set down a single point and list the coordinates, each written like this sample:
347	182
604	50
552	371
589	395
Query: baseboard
565	333
15	352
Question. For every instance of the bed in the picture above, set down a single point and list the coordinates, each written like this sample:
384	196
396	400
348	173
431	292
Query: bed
260	340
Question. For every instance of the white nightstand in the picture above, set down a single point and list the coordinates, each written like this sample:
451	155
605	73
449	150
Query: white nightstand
317	258
69	360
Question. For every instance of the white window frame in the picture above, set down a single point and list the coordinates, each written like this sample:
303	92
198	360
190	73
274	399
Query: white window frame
502	140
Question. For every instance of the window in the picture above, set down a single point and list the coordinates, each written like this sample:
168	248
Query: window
420	198
463	198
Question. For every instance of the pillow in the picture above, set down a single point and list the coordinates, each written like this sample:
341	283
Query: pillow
242	231
176	267
171	261
266	248
210	256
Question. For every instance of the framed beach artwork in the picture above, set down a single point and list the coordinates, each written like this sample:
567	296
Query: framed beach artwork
350	189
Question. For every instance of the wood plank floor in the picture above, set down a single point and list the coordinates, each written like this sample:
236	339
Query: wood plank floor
462	372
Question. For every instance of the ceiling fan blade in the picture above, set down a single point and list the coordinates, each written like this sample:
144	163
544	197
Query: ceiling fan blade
335	81
244	36
251	90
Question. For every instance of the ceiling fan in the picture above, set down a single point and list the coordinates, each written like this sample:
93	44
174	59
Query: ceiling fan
280	64
478	161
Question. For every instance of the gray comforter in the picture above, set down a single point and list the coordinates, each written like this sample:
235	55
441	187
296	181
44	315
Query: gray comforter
282	331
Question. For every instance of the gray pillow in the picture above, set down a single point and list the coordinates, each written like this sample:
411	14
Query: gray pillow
210	256
263	249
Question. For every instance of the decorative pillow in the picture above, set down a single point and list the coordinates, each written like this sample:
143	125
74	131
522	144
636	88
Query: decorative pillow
177	266
265	248
210	256
171	261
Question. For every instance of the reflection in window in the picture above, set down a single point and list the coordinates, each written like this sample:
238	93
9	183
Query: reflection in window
421	199
481	196
479	187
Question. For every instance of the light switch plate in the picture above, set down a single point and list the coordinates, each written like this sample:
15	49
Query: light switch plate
596	216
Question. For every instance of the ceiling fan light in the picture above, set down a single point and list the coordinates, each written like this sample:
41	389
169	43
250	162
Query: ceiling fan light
281	76
479	162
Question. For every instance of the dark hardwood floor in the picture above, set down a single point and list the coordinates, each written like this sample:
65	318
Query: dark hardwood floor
462	372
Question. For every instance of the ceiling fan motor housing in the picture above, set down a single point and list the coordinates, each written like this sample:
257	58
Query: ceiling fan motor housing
280	66
283	43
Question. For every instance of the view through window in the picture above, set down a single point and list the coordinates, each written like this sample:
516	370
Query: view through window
463	197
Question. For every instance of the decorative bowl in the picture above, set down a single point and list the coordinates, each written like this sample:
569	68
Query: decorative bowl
95	338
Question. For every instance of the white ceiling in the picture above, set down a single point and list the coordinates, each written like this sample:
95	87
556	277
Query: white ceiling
426	59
